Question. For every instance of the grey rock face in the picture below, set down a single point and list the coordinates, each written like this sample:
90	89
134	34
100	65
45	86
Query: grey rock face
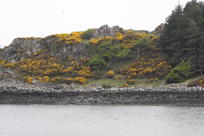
105	30
158	30
62	50
20	48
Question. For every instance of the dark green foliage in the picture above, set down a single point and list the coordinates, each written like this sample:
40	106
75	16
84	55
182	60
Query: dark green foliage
87	34
170	39
109	54
142	42
106	54
183	36
109	50
179	73
97	63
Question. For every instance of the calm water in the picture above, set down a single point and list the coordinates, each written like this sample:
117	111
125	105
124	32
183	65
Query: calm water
41	120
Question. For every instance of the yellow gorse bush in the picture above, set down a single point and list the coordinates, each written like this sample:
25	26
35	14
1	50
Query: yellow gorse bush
70	39
85	72
95	41
29	80
2	62
151	66
47	69
110	73
201	82
119	36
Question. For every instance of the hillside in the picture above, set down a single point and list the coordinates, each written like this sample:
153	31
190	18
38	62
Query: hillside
106	52
113	56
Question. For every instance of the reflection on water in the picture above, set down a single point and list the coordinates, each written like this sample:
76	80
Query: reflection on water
41	120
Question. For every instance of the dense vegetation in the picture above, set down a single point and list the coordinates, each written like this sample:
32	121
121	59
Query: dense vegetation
107	56
182	39
174	55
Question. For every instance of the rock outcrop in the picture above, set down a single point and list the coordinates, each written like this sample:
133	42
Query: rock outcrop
20	48
105	30
158	30
62	50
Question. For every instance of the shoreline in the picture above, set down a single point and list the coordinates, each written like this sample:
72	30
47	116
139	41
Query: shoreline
17	92
103	98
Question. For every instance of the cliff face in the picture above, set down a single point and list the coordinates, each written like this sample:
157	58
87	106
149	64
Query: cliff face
21	48
61	50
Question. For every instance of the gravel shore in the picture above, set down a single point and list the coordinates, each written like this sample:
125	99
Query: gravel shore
18	92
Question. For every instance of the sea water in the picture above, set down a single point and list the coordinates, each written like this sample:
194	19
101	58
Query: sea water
74	120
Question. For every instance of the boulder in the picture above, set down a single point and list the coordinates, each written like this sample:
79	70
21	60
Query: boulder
105	30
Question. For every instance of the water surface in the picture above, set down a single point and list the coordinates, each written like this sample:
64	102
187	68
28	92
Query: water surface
42	120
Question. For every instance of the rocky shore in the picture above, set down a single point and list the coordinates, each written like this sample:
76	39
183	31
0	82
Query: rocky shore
17	92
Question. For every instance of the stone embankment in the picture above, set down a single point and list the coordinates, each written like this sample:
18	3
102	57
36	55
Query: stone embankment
17	92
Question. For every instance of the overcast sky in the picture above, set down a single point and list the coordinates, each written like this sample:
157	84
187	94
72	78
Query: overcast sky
25	18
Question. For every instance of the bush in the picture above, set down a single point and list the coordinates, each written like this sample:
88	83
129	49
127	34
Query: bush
87	34
80	80
29	80
179	73
125	85
2	62
44	79
97	63
109	51
110	74
119	77
198	82
130	81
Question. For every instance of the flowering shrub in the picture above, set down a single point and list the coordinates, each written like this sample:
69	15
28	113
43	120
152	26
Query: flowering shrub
29	80
70	39
149	66
198	82
130	81
94	41
47	69
80	80
85	72
125	85
2	62
119	36
106	52
201	82
9	65
44	79
110	74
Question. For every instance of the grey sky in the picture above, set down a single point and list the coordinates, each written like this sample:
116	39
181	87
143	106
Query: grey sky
25	18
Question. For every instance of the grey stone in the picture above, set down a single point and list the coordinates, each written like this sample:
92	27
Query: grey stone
105	30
